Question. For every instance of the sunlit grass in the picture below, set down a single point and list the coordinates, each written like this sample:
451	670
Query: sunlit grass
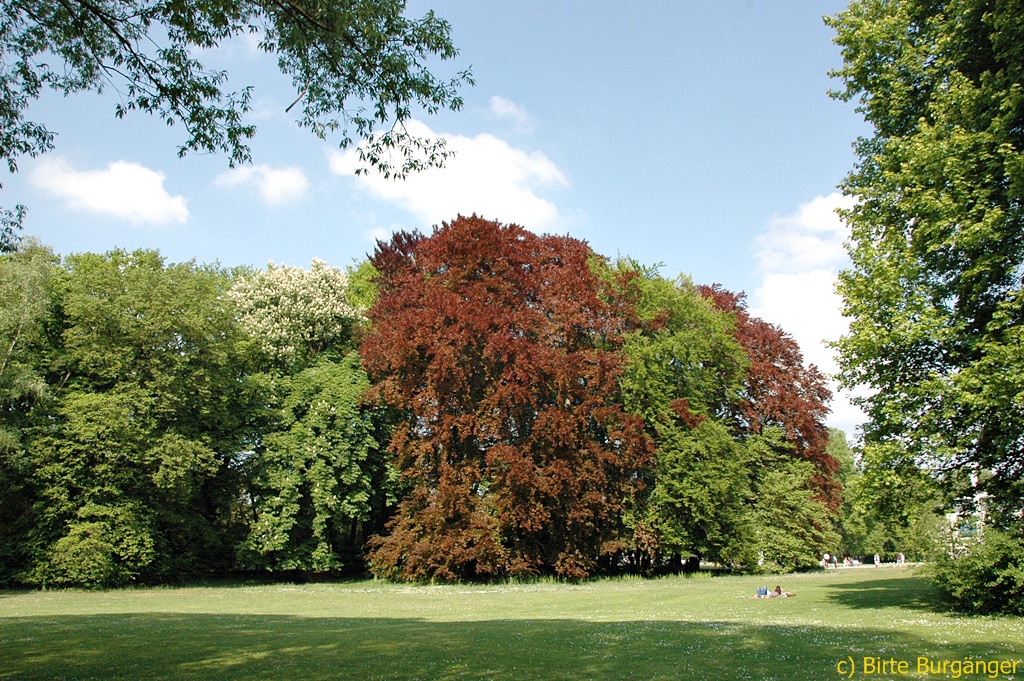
669	628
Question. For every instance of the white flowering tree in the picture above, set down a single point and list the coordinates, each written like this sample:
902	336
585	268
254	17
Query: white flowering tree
316	478
294	314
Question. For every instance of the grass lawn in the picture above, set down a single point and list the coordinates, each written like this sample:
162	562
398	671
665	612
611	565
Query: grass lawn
669	628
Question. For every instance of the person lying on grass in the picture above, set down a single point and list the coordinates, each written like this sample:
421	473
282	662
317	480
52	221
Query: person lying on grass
762	592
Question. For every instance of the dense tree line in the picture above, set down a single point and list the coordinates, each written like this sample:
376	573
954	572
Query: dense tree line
477	403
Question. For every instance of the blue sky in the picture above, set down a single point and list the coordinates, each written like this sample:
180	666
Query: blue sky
695	134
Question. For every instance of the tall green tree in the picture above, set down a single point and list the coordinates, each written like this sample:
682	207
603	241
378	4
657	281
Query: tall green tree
683	373
937	240
27	357
793	524
135	470
736	419
318	476
26	319
360	68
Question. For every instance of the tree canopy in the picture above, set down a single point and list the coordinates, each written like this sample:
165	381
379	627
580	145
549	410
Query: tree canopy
500	350
479	403
937	242
735	419
132	468
360	68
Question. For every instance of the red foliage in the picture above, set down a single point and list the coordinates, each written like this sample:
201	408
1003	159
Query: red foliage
499	346
781	391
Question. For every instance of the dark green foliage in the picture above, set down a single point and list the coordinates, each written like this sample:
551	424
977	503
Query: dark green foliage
684	368
739	475
890	506
27	319
105	546
987	577
793	525
317	485
700	501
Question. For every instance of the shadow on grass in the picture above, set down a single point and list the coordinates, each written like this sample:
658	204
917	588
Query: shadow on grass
175	646
911	592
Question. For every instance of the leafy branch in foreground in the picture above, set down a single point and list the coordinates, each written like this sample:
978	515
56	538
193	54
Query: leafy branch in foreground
360	68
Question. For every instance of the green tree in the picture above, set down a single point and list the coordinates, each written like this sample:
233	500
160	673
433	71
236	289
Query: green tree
891	506
937	240
26	312
135	470
851	523
318	475
987	578
793	524
740	467
699	504
780	390
318	486
684	369
27	317
359	68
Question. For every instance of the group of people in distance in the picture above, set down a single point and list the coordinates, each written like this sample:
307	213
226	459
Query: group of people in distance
832	561
829	560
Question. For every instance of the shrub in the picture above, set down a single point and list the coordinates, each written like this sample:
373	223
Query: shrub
986	578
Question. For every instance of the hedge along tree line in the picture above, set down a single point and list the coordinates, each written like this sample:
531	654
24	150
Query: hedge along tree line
517	406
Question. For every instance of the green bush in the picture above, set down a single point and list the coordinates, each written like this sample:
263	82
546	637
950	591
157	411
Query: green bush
105	547
986	578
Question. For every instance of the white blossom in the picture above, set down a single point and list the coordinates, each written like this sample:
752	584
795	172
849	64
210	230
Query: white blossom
293	312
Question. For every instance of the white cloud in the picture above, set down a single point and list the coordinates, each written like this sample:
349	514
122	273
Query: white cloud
799	256
275	185
486	176
265	109
126	190
810	238
507	109
377	234
806	305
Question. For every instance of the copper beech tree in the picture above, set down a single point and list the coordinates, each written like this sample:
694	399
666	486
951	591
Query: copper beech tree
500	349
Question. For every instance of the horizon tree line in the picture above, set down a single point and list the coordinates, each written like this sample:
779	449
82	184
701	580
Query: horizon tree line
474	404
